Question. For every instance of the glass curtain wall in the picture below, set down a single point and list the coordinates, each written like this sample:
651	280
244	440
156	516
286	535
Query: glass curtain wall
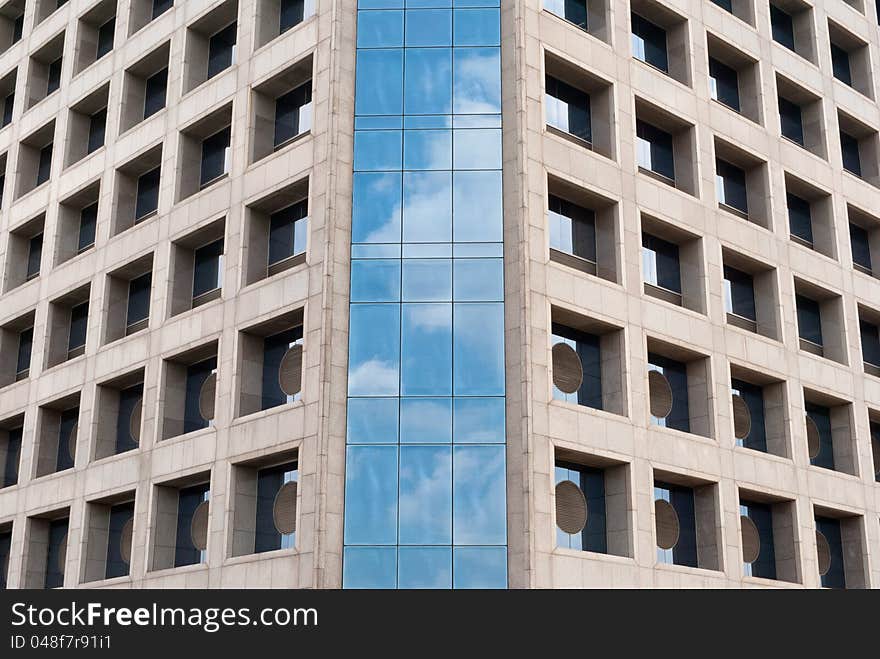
425	499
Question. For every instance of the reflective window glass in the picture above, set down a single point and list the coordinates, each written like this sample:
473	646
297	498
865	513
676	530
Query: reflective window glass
477	81
427	280
377	150
479	421
130	399
479	567
269	482
207	268
371	495
88	219
154	95
424	567
477	27
25	347
572	228
275	347
379	29
189	498
376	208
374	350
372	420
97	129
379	82
196	374
288	232
375	280
479	486
477	149
221	50
428	27
427	206
425	420
369	567
120	515
425	495
479	349
476	201
426	350
427	149
13	454
809	318
478	280
79	318
428	81
649	42
139	298
147	193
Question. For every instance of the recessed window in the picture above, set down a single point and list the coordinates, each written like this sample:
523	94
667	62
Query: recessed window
181	523
572	231
592	16
221	50
53	80
677	387
68	322
275	17
661	268
830	441
792	26
106	34
87	125
207	273
192	379
800	219
750	294
211	44
874	427
5	554
730	186
742	183
128	291
649	43
11	433
742	9
58	434
147	194
269	525
568	109
7	97
109	538
810	216
739	298
672	264
145	88
120	405
850	59
281	109
271	357
869	321
759	412
724	84
685	518
24	253
293	114
766	526
655	150
77	223
859	148
155	90
44	165
665	148
144	12
839	543
16	347
11	27
215	157
277	232
46	550
659	37
840	64
791	121
864	233
197	268
44	76
96	32
590	504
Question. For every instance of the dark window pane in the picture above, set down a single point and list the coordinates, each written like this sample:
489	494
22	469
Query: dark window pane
836	575
25	345
572	228
849	147
293	113
55	558
88	219
821	416
840	64
189	499
5	549
574	11
791	121
120	515
649	43
292	13
274	349
861	246
269	482
35	255
676	374
221	48
196	374
130	402
660	262
809	319
761	515
587	348
214	152
741	292
54	76
731	186
97	127
18	29
154	93
8	105
724	84
727	5
13	454
800	220
45	165
753	395
66	427
139	298
79	317
655	152
682	500
147	193
568	109
105	38
591	482
783	27
161	6
287	232
870	343
207	268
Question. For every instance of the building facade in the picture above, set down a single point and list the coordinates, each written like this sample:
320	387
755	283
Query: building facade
445	293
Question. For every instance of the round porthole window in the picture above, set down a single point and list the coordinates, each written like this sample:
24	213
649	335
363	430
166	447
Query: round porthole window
666	520
134	421
125	537
571	507
742	418
568	374
823	550
198	527
660	394
62	554
207	396
290	370
751	539
284	508
71	441
813	443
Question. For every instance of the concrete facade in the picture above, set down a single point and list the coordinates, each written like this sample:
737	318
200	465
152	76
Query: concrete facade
540	429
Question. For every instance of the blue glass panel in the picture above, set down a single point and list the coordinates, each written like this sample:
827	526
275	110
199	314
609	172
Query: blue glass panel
426	420
379	85
479	567
477	81
477	27
476	121
479	349
425	495
425	567
426	352
379	29
427	206
478	486
376	208
427	280
479	421
378	123
476	203
428	81
428	27
371	495
372	421
421	4
380	4
477	3
377	150
375	251
479	280
474	250
374	350
375	280
369	567
477	149
427	149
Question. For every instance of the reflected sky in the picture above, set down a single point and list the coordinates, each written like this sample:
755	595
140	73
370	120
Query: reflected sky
478	353
478	477
426	348
427	207
426	420
376	200
374	350
371	495
425	495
